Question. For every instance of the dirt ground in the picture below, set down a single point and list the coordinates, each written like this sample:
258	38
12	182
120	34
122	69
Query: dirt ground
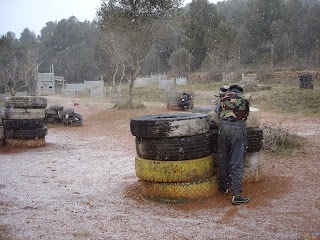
82	185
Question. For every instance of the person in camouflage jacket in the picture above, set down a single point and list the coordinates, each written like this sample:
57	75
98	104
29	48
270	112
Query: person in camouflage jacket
232	141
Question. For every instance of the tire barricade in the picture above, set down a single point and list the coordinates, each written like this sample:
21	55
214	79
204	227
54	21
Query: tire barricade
23	121
253	169
57	114
174	159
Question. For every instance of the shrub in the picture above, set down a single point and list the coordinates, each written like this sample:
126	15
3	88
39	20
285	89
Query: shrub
277	138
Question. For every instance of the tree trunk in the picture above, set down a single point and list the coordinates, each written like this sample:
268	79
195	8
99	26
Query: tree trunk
134	75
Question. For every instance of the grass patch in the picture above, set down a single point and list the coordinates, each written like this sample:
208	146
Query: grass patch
289	100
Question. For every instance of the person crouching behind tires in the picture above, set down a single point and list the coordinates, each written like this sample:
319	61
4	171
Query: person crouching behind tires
185	101
232	141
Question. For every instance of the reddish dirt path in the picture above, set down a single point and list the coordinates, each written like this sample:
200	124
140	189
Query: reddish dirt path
82	185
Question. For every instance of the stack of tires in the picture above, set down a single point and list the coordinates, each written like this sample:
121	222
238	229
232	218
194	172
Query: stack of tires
253	167
23	121
173	97
59	114
174	156
1	129
253	170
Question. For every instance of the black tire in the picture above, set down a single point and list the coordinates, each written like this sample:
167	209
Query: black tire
56	107
203	109
254	138
170	125
73	120
23	124
50	111
23	113
1	133
215	133
25	102
50	120
67	111
26	134
171	149
255	133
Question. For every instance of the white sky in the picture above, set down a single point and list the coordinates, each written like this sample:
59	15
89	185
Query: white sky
16	15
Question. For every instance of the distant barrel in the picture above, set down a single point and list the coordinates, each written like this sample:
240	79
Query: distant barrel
306	81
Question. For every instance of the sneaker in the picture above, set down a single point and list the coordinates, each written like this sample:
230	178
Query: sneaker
236	200
224	190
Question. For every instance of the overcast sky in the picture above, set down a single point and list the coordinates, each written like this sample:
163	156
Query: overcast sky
16	15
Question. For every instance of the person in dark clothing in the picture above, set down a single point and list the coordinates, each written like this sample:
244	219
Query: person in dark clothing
233	110
185	101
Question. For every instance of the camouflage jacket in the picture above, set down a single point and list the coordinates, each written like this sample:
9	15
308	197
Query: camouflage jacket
234	105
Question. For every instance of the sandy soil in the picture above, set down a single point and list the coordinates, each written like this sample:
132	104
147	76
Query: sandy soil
82	185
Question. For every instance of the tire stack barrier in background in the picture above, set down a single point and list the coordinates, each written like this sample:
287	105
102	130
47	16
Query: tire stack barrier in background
23	121
59	114
253	170
174	156
173	97
1	133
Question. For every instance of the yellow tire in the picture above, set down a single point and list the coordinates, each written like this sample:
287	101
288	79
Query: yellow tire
174	171
253	174
25	142
180	191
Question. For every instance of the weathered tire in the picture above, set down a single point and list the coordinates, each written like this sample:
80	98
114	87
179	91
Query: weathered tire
50	120
169	125
50	112
67	111
23	123
253	159
173	97
214	143
56	107
180	191
174	171
213	116
24	113
26	134
255	139
253	174
25	102
25	142
181	148
1	132
73	120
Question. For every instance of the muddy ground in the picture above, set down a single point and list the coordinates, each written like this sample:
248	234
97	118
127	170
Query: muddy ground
82	185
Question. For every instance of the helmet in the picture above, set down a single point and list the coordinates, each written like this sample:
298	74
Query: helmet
235	86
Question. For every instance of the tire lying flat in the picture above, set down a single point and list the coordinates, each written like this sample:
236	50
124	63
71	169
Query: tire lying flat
181	148
25	142
24	113
26	133
25	102
180	191
10	124
253	174
174	171
169	125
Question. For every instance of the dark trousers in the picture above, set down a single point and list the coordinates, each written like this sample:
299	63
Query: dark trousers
232	142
